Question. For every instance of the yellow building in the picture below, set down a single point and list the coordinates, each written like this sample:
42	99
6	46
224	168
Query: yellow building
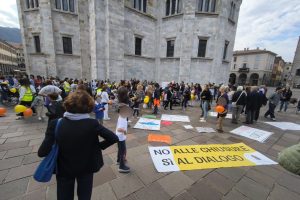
8	58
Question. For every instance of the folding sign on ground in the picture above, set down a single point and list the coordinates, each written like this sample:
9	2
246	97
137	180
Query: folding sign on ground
159	138
148	124
205	130
215	114
285	125
176	158
188	126
175	118
252	133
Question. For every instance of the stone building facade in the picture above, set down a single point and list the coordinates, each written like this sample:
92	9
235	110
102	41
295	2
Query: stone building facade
296	67
252	67
287	76
162	40
277	71
8	58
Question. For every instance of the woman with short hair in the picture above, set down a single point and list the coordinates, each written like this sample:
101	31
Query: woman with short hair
79	155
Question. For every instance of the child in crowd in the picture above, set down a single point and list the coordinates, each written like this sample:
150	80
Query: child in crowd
55	108
121	129
99	111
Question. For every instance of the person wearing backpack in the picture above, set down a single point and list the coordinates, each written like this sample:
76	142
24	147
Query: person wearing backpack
79	148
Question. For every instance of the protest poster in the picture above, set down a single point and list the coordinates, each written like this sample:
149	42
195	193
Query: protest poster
285	125
252	133
193	157
215	114
175	118
166	123
148	124
205	130
159	138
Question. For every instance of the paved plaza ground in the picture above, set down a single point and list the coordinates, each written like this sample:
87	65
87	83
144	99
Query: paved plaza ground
20	140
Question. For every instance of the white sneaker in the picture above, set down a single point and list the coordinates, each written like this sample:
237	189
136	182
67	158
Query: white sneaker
18	117
40	119
106	119
203	120
129	121
273	119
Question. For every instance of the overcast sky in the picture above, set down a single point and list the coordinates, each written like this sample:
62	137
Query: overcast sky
270	24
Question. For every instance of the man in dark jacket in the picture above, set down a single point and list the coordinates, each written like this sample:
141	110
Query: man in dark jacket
285	98
238	103
169	98
252	104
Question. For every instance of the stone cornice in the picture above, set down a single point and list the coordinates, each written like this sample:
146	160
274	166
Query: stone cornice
140	13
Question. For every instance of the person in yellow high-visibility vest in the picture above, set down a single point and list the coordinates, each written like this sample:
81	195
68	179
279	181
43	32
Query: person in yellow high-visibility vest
67	86
26	92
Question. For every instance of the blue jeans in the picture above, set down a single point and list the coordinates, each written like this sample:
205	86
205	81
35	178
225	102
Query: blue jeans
205	109
271	110
285	104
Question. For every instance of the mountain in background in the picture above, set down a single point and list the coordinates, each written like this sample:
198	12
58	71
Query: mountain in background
10	34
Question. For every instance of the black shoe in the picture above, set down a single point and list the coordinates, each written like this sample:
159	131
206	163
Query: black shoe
246	122
124	169
234	122
220	131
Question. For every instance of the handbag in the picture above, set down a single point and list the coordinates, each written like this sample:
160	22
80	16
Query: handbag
46	168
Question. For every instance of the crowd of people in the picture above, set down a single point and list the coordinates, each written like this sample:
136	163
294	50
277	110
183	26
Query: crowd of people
72	100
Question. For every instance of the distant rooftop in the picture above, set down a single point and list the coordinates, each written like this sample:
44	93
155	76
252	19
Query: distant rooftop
248	51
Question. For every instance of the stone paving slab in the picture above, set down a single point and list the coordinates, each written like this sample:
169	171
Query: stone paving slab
144	182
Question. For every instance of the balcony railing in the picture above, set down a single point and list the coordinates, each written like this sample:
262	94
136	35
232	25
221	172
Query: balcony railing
246	69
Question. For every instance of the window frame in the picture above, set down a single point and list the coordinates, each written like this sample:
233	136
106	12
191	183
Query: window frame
173	10
205	50
140	5
66	48
170	48
206	6
138	53
37	48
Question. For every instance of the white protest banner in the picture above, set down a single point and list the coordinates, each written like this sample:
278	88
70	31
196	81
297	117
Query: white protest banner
252	133
192	157
148	124
285	125
205	130
175	118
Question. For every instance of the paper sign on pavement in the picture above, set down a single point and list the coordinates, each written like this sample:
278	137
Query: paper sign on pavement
176	158
148	124
252	133
175	118
188	126
285	125
215	114
205	130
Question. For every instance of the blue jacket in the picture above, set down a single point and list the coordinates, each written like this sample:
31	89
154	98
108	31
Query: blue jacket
99	113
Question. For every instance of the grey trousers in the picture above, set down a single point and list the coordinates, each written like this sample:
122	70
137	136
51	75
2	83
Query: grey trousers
236	111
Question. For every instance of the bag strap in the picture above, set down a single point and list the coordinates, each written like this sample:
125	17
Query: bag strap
57	126
240	96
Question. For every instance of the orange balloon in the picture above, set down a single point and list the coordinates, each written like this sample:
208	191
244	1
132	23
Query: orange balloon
2	111
220	109
28	112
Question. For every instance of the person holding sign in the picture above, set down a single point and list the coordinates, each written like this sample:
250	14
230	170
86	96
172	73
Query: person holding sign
222	101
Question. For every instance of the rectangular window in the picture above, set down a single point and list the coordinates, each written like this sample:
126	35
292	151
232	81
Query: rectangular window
138	46
234	66
37	43
234	59
232	11
225	49
168	3
298	72
213	6
244	65
67	45
144	6
200	5
58	4
207	5
31	3
170	48
71	5
65	5
202	48
36	3
27	4
179	6
173	7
